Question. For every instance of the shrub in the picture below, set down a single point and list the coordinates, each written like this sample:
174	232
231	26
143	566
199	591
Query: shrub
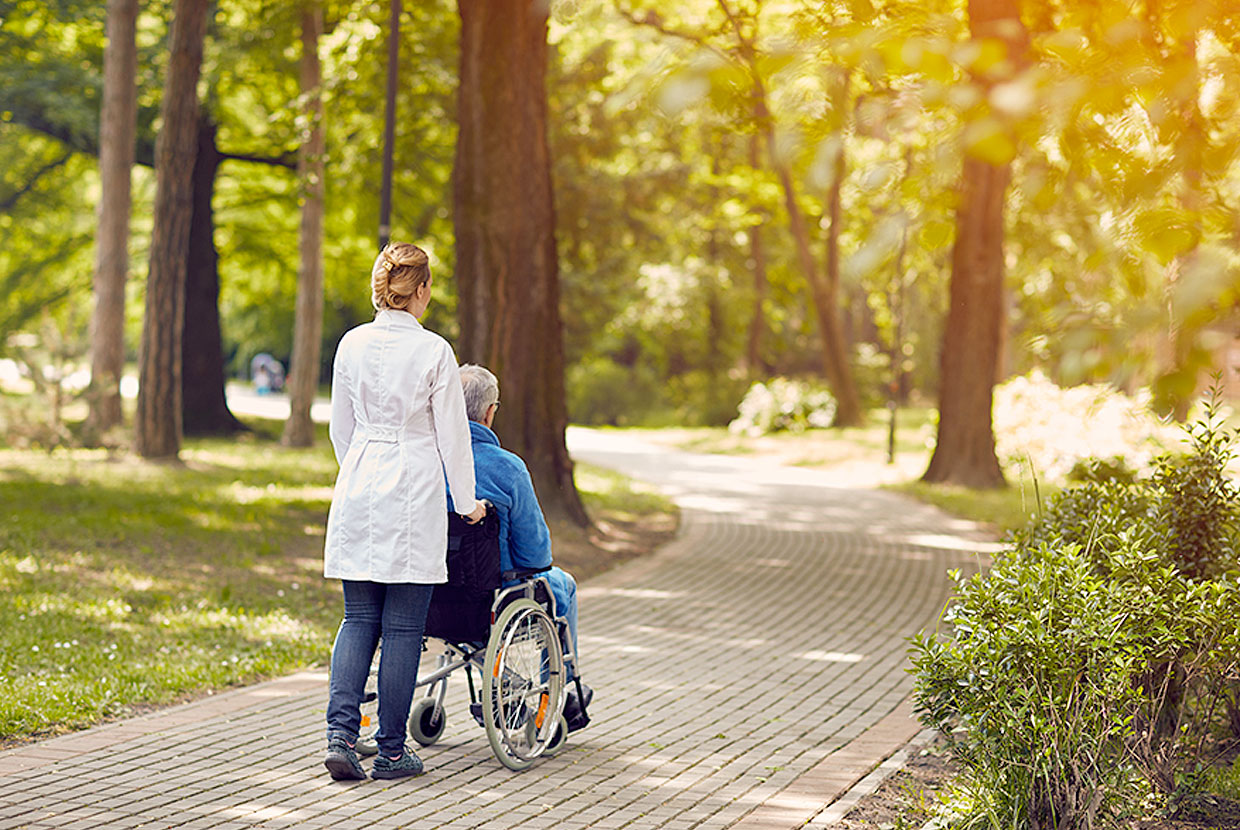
601	391
705	399
783	404
1094	516
1198	503
1053	428
1034	689
1105	643
1093	469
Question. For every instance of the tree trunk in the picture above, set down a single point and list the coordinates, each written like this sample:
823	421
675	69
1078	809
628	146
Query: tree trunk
204	405
308	323
757	253
965	451
117	129
826	306
157	428
835	362
848	410
504	219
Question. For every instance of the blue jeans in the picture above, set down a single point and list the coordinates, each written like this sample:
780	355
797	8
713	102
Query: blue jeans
397	613
564	587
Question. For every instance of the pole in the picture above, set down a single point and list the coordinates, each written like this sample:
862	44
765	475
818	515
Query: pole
389	127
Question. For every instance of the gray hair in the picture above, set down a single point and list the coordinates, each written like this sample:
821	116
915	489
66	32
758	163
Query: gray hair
481	390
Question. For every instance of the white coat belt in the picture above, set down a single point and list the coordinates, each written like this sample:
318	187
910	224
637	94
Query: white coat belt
378	435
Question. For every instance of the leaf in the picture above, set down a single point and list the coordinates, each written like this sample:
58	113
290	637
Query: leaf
1165	232
987	140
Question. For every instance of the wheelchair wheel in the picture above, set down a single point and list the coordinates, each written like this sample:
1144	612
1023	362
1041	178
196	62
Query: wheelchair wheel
427	721
522	684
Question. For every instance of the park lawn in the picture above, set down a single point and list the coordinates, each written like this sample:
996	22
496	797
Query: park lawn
130	584
862	452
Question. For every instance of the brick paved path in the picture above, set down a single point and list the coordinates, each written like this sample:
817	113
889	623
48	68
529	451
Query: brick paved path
747	674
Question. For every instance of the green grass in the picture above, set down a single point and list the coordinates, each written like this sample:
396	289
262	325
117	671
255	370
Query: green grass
1005	510
619	497
127	584
817	447
135	583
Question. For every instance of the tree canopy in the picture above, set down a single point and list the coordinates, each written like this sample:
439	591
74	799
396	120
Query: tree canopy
738	184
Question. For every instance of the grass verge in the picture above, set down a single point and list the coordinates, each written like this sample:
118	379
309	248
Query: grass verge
130	584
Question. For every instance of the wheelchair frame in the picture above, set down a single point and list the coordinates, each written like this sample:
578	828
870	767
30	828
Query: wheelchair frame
523	670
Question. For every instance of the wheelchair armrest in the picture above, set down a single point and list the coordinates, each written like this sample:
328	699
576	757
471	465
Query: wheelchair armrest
523	573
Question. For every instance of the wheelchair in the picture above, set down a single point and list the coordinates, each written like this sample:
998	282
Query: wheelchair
505	626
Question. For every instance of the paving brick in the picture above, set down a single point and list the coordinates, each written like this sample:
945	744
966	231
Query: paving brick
745	675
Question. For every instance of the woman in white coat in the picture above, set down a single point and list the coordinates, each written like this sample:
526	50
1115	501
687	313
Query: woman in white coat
398	426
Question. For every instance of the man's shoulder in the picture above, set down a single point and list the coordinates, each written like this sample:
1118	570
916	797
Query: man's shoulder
500	463
498	456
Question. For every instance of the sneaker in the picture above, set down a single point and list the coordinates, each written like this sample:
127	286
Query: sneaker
341	760
366	746
405	766
575	707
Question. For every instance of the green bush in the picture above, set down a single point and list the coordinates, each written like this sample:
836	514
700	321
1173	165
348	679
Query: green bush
603	392
1115	468
704	399
1100	652
1095	515
784	404
1198	503
1034	689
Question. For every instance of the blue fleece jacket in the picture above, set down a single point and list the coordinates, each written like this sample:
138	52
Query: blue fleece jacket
502	478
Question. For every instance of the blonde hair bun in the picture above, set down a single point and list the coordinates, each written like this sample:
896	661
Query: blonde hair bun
398	271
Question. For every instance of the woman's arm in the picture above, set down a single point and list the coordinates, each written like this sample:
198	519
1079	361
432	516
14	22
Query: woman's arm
340	427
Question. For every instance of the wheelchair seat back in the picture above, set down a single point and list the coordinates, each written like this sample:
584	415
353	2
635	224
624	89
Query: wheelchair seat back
460	609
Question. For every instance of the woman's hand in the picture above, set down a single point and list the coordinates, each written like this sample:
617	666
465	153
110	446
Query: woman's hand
480	512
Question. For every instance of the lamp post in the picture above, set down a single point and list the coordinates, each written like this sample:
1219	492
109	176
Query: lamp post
389	127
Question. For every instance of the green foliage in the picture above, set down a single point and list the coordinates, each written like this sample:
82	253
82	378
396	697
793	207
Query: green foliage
784	404
1103	644
1102	470
49	361
1034	688
1198	502
1095	515
602	392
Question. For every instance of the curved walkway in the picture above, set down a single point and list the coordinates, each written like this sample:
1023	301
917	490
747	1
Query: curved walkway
747	674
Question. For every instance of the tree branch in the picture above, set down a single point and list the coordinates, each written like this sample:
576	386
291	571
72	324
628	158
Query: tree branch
654	20
288	160
13	197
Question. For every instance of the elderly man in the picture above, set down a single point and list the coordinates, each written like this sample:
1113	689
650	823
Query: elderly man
502	478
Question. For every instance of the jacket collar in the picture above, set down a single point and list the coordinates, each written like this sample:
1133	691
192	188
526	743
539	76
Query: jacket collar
392	317
481	434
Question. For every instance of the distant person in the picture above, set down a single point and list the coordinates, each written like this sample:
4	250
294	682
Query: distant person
262	381
398	426
267	373
524	540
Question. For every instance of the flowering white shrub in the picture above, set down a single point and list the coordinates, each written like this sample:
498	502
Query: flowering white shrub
783	404
1050	428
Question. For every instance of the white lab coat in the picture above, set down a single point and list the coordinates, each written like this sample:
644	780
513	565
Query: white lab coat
398	426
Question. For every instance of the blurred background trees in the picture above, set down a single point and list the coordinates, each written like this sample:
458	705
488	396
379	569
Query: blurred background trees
743	189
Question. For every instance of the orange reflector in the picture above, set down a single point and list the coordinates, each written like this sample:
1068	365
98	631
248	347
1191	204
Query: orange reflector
499	658
365	720
542	710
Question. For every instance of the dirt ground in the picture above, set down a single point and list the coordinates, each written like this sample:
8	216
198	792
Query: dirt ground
905	801
610	542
